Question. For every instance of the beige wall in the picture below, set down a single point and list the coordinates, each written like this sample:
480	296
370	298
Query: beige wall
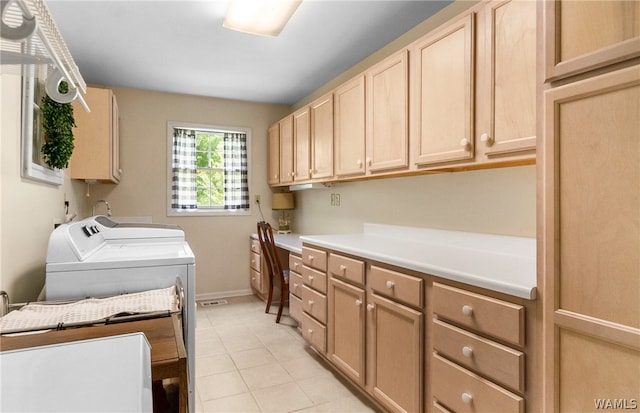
28	209
220	244
498	201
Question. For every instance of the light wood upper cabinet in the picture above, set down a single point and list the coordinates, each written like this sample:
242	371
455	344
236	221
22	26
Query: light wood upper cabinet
97	138
301	144
273	148
322	137
387	100
506	100
584	35
349	120
442	105
286	150
591	240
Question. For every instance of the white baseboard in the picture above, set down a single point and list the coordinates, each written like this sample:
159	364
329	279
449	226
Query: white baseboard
223	294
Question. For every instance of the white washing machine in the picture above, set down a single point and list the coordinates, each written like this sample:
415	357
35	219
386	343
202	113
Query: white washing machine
97	257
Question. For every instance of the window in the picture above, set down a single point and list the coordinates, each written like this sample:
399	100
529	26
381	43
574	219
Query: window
208	171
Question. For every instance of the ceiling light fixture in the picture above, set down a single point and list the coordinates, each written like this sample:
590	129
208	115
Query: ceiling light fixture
263	17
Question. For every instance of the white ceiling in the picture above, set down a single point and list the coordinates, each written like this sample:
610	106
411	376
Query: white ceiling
181	46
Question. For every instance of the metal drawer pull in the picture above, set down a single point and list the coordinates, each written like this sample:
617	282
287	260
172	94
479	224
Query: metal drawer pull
310	331
467	351
390	284
310	279
467	398
310	303
310	257
467	310
343	268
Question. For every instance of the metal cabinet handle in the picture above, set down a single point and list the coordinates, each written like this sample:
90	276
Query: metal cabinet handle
358	302
390	284
343	268
467	398
370	307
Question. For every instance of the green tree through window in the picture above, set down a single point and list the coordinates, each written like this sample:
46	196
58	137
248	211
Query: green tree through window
209	169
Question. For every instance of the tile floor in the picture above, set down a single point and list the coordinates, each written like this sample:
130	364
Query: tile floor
245	362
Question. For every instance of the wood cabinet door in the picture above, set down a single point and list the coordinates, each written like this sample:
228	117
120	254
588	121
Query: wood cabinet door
349	154
286	150
273	148
387	129
115	140
442	106
591	239
585	35
507	76
394	348
301	144
322	137
96	155
346	325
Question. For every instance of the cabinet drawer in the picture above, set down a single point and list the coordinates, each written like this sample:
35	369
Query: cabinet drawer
295	307
346	268
255	246
295	283
462	391
295	263
256	280
314	303
314	332
498	318
314	258
500	363
314	279
438	408
255	261
404	288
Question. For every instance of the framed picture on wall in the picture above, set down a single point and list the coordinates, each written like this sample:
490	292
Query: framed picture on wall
33	165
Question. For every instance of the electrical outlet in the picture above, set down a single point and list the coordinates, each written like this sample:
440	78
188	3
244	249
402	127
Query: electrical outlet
257	197
335	199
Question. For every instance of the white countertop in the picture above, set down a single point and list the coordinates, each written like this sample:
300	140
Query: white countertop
499	263
289	242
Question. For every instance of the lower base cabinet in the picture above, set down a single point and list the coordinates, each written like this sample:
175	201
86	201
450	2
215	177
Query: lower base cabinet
375	341
414	342
395	354
463	391
347	329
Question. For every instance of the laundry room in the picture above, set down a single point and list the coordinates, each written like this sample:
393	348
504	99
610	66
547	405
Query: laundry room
374	176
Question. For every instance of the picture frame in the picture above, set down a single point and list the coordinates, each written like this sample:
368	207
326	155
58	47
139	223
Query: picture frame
33	165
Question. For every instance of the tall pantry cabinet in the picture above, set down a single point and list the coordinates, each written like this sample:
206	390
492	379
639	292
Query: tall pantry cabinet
590	205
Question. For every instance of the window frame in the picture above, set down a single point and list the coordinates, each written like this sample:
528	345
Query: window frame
171	212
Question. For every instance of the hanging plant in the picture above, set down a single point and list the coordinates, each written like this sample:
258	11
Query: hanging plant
58	123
